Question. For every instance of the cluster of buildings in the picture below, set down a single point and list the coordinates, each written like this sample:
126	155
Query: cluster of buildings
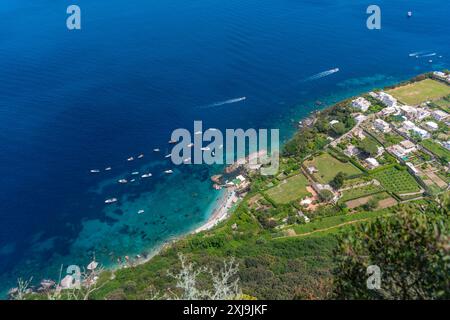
403	149
442	76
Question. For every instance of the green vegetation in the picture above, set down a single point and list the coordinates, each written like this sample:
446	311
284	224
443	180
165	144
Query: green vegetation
369	146
360	192
437	149
397	179
328	165
328	224
421	91
414	265
288	190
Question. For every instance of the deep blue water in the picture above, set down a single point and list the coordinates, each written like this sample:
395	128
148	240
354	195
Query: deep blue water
71	101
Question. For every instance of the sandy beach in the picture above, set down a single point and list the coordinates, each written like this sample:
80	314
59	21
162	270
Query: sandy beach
220	213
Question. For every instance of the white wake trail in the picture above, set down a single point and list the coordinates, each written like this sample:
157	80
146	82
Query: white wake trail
221	103
323	74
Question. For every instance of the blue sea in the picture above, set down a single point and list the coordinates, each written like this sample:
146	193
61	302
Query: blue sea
72	101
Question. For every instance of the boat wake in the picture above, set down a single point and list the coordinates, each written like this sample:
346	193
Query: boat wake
428	55
322	74
222	103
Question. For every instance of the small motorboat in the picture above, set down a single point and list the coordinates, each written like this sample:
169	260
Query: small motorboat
190	145
132	180
140	156
108	169
147	175
95	171
141	211
198	132
168	171
112	200
135	173
206	149
168	156
172	141
123	181
130	159
409	14
430	61
156	150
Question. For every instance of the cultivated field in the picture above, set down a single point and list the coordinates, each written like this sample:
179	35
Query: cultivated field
328	167
360	192
437	149
398	181
418	92
288	190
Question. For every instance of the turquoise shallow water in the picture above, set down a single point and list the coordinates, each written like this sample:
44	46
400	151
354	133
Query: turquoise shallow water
74	101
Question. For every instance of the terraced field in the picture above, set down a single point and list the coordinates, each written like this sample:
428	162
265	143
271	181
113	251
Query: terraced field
360	192
397	181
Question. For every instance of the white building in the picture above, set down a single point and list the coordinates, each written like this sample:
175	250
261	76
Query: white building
372	163
408	146
421	132
409	112
440	115
333	122
360	118
381	125
440	75
422	113
387	99
361	104
433	126
408	125
388	111
446	144
351	150
412	167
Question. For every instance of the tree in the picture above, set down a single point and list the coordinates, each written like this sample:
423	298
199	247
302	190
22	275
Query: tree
411	249
326	195
338	181
368	146
371	204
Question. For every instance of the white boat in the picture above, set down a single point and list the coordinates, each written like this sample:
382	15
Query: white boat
140	156
147	175
198	132
109	201
430	61
190	145
135	173
123	181
130	159
95	171
409	14
132	180
168	171
108	169
156	150
141	211
206	149
168	156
